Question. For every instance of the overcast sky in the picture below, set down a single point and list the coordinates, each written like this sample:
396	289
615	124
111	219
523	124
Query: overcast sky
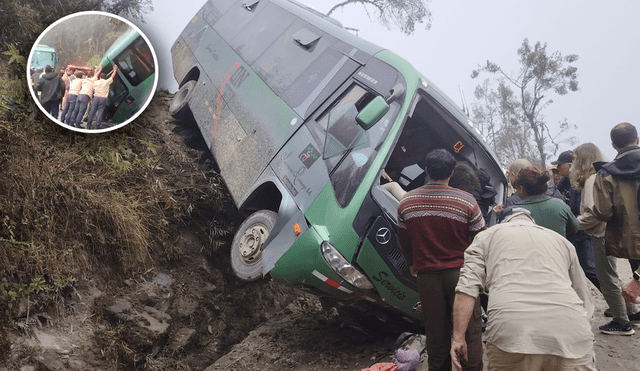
466	33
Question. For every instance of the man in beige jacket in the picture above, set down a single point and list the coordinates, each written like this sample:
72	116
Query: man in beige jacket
539	306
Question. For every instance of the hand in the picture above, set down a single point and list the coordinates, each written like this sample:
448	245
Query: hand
458	353
386	176
498	208
631	291
412	272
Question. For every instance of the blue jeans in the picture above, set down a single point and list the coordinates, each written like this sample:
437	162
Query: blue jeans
80	109
68	109
97	109
584	249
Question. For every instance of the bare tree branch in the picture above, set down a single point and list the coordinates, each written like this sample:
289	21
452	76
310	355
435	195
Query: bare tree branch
403	14
540	73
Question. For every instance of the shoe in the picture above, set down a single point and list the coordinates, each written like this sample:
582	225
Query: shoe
634	318
614	328
608	313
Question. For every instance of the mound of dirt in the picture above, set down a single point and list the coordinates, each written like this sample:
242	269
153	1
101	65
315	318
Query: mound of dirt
148	249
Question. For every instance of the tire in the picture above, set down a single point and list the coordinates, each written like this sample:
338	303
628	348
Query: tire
179	107
246	249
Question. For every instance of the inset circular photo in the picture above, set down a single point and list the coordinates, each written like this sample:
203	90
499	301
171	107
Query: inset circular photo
92	72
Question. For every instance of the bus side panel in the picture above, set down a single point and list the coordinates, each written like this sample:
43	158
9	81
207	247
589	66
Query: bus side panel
228	142
243	121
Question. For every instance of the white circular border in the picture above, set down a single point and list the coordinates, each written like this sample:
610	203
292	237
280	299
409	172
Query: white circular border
96	131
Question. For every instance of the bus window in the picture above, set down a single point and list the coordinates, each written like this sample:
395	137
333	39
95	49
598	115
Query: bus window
348	149
136	62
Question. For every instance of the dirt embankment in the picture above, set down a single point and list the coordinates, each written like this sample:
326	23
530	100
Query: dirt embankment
126	236
117	245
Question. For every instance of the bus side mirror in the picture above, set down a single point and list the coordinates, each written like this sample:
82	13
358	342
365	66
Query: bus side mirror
372	113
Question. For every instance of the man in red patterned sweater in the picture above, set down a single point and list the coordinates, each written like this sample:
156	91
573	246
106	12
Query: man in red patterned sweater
436	224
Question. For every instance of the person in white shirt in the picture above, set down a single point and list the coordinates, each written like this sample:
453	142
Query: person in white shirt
83	97
100	97
72	98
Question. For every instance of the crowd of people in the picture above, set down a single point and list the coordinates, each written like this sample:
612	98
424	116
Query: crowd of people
75	96
557	231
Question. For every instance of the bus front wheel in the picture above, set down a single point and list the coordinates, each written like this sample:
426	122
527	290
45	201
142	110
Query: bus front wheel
246	249
179	107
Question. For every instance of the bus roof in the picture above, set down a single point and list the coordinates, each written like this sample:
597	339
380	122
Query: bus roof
44	48
120	44
327	24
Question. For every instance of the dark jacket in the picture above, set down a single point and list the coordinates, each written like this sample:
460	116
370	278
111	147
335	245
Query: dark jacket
615	201
51	87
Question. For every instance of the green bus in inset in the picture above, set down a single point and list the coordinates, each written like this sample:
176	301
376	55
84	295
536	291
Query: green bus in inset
133	85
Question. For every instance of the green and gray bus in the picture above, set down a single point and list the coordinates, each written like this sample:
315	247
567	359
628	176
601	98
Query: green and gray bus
134	83
303	118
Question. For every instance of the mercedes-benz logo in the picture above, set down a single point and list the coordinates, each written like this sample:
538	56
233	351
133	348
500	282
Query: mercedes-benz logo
383	235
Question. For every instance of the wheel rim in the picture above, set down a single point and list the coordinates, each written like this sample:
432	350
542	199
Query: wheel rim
251	243
180	98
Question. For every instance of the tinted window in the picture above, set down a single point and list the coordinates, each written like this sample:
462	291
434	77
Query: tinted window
236	18
311	77
261	32
136	62
286	59
42	59
214	9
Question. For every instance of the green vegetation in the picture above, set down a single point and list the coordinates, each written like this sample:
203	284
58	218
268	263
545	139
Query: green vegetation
102	206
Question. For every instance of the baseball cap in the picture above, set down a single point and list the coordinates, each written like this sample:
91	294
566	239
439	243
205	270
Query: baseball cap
565	157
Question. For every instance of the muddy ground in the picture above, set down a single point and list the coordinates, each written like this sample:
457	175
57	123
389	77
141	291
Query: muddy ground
191	313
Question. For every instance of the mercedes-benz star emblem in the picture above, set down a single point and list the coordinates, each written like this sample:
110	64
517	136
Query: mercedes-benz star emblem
383	235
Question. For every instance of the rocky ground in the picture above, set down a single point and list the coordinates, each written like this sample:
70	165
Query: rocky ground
191	313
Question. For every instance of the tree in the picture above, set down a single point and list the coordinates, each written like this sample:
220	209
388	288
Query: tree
403	14
128	8
520	100
492	114
21	21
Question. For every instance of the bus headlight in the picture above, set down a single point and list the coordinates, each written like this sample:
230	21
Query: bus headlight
340	265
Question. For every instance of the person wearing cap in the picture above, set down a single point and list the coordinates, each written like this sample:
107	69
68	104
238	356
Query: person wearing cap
540	304
513	171
616	202
572	196
436	223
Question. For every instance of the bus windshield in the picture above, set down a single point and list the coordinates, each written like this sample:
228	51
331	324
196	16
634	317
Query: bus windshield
42	59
